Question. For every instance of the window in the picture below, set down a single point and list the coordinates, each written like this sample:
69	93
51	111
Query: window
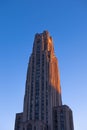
34	127
41	127
45	46
62	126
38	41
38	49
55	120
29	127
61	115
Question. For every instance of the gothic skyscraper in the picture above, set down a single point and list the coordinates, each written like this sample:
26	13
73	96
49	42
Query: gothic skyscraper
43	109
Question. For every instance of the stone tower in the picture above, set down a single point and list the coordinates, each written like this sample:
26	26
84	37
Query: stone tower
42	92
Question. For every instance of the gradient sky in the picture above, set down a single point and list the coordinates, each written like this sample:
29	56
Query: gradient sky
66	20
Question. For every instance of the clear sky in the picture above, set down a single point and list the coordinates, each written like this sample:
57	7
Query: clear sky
66	20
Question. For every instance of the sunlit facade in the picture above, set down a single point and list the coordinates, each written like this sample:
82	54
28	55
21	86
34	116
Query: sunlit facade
43	91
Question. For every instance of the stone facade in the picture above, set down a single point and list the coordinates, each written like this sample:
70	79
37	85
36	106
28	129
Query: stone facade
43	91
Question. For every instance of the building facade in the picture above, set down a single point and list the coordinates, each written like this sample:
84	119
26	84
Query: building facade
43	92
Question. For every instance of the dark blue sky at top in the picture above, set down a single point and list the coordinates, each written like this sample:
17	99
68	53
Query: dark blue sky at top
66	20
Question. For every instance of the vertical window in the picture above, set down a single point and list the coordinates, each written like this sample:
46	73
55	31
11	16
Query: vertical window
55	120
34	127
62	126
62	119
29	127
61	116
41	127
45	46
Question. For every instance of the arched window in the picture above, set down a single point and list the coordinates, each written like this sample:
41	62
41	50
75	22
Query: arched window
29	127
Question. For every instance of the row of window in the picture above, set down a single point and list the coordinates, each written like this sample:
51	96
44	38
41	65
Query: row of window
37	85
32	87
42	92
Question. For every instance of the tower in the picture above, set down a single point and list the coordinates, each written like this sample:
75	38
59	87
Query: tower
42	91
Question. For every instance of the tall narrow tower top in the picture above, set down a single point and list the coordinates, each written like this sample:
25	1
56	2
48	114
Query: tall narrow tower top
45	40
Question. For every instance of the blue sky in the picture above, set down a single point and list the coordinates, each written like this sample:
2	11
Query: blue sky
67	23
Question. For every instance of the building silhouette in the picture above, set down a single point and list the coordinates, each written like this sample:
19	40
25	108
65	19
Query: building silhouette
43	109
